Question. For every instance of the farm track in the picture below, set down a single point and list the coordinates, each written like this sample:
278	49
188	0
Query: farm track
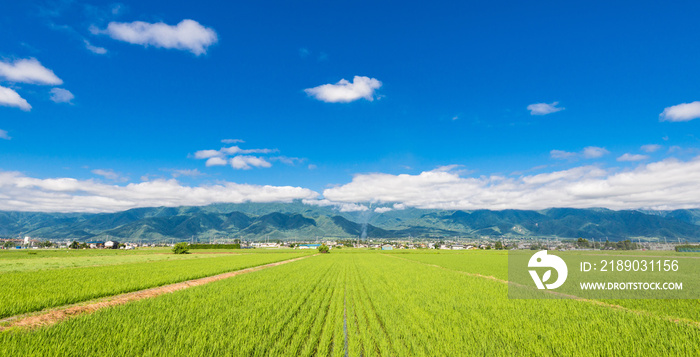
55	315
682	321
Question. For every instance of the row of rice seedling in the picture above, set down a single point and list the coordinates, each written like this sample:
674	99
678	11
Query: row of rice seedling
422	310
489	263
494	263
291	310
374	304
36	290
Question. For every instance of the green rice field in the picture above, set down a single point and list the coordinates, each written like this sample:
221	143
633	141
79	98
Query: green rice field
350	302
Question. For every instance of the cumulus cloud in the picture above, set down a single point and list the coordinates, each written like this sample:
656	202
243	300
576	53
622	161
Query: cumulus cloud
186	172
244	162
632	157
60	95
594	152
560	154
589	152
383	209
345	91
291	161
205	154
232	141
187	35
651	148
667	184
681	112
10	98
241	159
233	150
341	206
94	49
216	161
4	135
28	71
110	175
22	193
544	108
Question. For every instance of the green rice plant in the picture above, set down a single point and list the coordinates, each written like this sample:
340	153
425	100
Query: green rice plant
36	290
375	304
8	265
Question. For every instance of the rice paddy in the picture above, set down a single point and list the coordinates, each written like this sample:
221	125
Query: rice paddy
347	303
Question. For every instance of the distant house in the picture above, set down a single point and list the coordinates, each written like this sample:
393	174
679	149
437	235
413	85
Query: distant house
112	244
96	244
457	247
387	247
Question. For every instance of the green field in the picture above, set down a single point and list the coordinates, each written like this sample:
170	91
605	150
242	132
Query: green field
28	291
349	302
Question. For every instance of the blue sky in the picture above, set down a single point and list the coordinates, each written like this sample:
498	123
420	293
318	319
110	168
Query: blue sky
104	106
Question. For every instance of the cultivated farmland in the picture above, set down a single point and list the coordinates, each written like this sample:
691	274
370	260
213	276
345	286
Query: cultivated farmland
349	302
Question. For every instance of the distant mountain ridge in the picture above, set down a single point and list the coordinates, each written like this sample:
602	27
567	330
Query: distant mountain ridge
258	221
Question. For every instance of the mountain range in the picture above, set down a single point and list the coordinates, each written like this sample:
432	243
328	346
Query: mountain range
260	221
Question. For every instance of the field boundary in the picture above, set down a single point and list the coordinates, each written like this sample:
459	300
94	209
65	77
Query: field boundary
676	320
55	315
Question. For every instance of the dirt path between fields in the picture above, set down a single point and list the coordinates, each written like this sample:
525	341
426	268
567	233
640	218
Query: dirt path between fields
55	315
676	320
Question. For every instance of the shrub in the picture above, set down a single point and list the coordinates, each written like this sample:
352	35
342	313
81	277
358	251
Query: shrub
181	248
323	248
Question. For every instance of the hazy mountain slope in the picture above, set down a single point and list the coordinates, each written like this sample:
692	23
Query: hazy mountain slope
258	221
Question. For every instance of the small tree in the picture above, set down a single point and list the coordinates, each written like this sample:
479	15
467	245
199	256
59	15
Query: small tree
74	245
181	248
323	248
499	245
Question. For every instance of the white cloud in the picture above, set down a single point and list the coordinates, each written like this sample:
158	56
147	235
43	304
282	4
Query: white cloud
651	148
205	154
560	154
383	209
244	162
216	161
233	150
341	206
288	160
94	49
187	35
594	152
345	91
681	112
667	184
186	172
60	95
312	167
22	193
589	152
4	135
10	98
544	108
632	157
110	175
28	71
232	141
